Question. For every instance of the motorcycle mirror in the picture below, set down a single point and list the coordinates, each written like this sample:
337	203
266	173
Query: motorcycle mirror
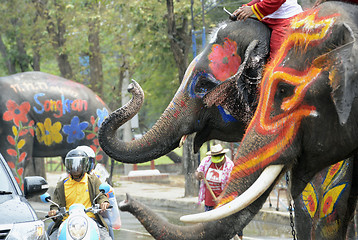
104	188
45	197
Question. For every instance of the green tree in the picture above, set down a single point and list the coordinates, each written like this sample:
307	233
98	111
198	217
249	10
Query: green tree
149	41
19	38
54	14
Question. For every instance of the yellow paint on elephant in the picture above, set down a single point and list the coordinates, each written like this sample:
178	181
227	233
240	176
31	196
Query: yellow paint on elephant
309	198
301	84
287	122
21	143
329	200
332	172
305	28
14	130
264	156
48	133
316	29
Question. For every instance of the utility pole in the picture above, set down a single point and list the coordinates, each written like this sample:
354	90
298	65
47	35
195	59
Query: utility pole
127	127
190	160
195	33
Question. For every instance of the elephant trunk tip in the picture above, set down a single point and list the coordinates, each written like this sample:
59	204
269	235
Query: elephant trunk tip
125	204
133	86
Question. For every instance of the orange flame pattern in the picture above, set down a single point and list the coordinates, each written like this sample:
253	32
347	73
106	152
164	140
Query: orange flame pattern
306	29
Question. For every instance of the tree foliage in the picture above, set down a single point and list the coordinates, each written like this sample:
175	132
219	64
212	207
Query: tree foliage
95	41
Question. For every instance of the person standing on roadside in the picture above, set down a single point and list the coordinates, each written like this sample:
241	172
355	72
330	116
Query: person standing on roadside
214	172
215	168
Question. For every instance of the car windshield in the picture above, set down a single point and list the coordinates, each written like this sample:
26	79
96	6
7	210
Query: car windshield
5	182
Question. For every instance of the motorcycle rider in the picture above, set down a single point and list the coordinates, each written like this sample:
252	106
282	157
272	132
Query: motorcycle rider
79	187
91	166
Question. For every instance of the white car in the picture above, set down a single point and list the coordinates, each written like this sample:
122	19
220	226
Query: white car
18	219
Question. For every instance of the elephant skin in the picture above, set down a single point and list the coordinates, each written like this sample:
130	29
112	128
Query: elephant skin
46	116
160	228
212	98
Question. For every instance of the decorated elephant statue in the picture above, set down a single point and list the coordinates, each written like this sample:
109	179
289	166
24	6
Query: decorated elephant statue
43	115
190	109
305	119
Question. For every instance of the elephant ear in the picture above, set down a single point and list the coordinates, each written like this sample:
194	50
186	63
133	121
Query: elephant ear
342	72
232	94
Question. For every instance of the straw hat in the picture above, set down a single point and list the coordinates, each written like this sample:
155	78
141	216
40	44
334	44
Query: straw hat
217	150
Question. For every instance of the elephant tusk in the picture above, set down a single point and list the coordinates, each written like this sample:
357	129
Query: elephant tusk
182	140
261	184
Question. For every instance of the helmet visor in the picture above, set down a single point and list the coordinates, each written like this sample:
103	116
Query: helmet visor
76	165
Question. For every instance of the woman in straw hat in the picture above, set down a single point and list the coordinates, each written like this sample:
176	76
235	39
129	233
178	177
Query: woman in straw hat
214	171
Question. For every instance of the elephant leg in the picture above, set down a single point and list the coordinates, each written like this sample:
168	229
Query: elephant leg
35	167
352	202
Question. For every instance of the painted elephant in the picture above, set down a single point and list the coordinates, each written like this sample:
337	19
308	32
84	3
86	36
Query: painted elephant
316	210
45	116
215	96
216	99
306	115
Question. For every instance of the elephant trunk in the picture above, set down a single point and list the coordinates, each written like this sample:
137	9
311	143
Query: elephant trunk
159	228
163	137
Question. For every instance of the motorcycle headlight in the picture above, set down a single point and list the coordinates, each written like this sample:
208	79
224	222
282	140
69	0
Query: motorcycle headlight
77	227
28	230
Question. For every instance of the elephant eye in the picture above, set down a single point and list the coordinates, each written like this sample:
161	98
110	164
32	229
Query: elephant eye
284	90
204	83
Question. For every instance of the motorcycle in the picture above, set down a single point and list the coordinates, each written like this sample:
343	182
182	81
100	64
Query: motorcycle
78	225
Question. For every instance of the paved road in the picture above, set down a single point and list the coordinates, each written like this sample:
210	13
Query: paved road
132	229
269	224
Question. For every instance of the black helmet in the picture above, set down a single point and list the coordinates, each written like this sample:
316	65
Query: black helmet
76	163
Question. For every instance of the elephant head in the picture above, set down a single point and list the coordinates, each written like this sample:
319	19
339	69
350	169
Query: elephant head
216	98
306	116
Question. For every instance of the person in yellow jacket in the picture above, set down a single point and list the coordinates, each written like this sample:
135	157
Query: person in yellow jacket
79	187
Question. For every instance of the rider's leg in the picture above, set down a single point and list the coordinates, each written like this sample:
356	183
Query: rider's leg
53	236
103	232
110	229
49	228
